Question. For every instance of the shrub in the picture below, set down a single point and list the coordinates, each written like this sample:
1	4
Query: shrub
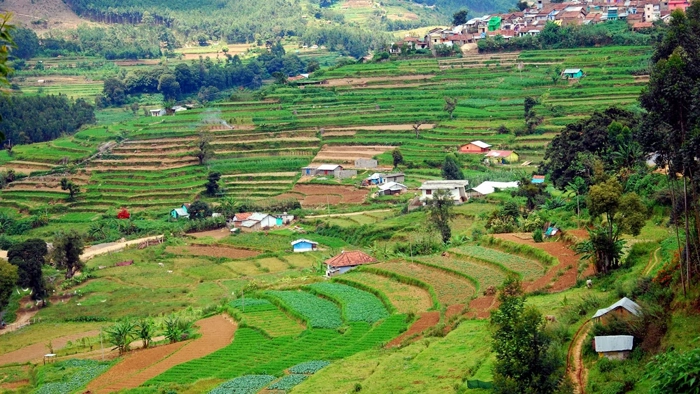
537	236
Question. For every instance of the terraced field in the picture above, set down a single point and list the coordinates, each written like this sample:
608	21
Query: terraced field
405	298
450	289
486	274
528	269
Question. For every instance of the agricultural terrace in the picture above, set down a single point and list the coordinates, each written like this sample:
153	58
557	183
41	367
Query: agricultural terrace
261	145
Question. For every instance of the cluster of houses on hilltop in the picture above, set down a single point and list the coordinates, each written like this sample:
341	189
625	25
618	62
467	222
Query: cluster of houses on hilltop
491	155
640	14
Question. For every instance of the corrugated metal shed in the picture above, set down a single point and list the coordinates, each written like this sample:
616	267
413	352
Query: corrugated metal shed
631	306
614	343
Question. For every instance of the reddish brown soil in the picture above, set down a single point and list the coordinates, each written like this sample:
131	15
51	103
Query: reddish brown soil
454	310
213	251
217	332
329	194
216	234
426	320
14	385
37	351
481	307
568	264
132	363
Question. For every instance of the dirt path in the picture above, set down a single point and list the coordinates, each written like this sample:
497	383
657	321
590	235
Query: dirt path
37	351
216	332
650	266
426	320
337	215
23	319
575	367
97	250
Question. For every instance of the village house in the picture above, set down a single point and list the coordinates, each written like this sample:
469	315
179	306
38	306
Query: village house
181	212
304	245
284	219
158	112
488	187
475	147
398	177
255	221
346	261
537	179
572	73
391	188
614	347
374	179
323	170
455	187
624	308
502	157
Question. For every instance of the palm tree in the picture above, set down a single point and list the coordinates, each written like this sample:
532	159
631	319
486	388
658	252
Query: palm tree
121	334
577	187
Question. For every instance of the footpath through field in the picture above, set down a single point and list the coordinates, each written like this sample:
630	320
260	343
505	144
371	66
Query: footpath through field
138	367
337	215
105	248
37	351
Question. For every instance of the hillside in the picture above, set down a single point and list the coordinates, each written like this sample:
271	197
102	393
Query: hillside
43	15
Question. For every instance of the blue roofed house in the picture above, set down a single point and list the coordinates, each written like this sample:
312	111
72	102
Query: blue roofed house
181	212
304	245
375	179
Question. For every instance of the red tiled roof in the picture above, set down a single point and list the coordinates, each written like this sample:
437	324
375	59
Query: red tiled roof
350	259
642	25
409	39
243	216
538	177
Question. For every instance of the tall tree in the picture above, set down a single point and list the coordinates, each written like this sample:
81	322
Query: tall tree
68	246
620	213
441	213
8	280
460	17
29	257
450	105
205	150
73	188
169	86
526	361
397	157
212	186
199	210
451	169
671	129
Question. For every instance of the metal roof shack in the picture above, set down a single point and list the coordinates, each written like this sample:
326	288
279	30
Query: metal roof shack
624	303
435	185
481	144
613	343
328	167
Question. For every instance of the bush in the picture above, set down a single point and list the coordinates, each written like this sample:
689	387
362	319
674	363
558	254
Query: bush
537	236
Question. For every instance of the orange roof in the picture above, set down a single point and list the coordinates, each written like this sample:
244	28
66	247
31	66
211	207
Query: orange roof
243	216
350	259
643	25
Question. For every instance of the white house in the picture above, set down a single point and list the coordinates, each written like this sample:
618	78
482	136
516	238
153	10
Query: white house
391	188
158	112
456	187
614	347
254	221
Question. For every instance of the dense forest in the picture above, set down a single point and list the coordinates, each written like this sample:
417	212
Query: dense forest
27	119
204	76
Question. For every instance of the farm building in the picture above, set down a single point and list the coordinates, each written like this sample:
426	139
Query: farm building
346	261
158	112
375	179
240	218
181	212
308	171
475	147
572	73
334	170
488	187
456	188
537	179
284	219
398	177
614	347
621	309
502	157
304	245
365	163
253	221
391	188
179	108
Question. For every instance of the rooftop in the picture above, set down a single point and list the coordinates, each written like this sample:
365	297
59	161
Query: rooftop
480	144
392	186
243	215
489	187
257	216
350	259
300	240
328	167
431	185
625	302
613	343
499	153
572	70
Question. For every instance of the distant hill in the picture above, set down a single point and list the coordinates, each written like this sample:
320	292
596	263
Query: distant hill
42	15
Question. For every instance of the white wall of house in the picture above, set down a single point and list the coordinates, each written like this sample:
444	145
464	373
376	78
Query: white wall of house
457	193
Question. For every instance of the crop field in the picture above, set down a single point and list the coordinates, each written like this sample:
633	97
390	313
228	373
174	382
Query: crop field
357	305
486	274
528	269
451	289
318	312
406	298
263	314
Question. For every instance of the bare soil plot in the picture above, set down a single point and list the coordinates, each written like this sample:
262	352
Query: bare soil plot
216	234
56	13
310	195
37	351
213	251
141	62
347	154
364	81
427	320
481	307
386	127
217	332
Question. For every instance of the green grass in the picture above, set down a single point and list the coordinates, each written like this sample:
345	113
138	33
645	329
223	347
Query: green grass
357	305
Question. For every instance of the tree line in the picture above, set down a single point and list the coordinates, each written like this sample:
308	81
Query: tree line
27	119
204	74
554	36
